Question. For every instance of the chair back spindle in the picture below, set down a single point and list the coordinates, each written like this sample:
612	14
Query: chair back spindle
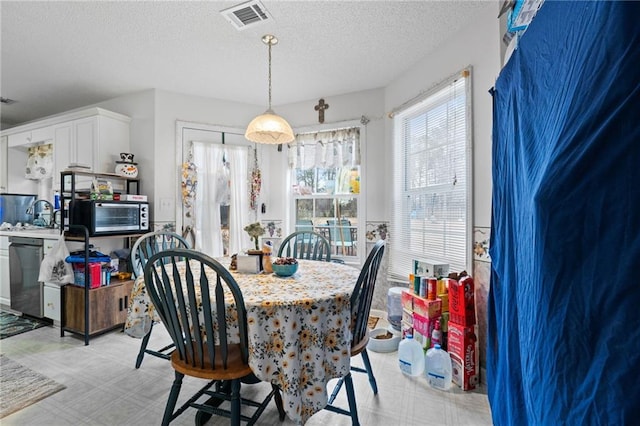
203	310
151	243
362	295
196	313
306	245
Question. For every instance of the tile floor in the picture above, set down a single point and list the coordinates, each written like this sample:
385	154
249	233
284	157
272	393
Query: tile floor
104	388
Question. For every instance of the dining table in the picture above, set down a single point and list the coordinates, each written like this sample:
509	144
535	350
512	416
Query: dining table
299	328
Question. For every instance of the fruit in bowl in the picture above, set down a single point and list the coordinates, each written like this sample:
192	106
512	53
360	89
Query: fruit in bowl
285	266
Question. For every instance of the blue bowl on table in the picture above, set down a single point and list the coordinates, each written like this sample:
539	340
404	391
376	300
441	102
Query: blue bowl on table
285	270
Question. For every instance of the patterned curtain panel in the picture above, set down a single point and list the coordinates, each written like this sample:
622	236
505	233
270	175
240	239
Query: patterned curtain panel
39	162
335	148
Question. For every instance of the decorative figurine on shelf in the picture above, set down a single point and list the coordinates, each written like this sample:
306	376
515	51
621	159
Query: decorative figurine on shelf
126	167
234	262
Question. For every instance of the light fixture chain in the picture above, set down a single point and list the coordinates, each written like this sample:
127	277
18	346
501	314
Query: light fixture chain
270	74
269	128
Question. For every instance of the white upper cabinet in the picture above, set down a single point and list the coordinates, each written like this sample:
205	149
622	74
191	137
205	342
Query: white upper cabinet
94	137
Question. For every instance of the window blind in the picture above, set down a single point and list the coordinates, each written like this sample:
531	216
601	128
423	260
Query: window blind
431	217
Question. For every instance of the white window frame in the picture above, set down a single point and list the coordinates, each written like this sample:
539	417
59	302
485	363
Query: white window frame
405	247
360	197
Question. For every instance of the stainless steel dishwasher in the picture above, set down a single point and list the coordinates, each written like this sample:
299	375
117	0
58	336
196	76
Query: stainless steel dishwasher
25	256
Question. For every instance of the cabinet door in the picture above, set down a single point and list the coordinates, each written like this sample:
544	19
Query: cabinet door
113	138
85	132
61	151
74	142
107	307
51	302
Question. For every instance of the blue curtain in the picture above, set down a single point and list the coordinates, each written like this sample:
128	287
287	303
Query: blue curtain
564	304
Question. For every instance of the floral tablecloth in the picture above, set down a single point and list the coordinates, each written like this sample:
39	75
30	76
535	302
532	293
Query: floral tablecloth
299	335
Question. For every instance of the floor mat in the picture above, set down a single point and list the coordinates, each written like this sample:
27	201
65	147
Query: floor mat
21	386
11	324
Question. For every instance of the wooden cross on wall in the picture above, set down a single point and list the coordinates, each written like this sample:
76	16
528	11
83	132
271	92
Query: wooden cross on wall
320	108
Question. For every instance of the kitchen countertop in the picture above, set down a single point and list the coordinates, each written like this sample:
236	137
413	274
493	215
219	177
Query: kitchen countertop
46	233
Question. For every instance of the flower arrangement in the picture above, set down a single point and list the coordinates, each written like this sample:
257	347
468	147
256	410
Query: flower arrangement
255	231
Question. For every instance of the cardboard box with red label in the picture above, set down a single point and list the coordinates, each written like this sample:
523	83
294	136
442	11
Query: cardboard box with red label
464	372
406	299
424	326
462	345
462	301
427	308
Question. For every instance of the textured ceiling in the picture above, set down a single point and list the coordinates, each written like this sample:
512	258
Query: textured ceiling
57	56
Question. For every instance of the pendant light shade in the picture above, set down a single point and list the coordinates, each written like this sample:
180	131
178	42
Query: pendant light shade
269	128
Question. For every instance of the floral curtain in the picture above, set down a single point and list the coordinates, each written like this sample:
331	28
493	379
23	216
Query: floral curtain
335	148
39	162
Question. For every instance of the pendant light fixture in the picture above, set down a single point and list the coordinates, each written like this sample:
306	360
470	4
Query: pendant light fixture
269	128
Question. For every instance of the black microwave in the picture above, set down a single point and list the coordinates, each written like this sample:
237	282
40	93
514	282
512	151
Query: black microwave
110	217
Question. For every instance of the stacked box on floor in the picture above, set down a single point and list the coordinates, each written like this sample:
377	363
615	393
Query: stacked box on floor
419	316
462	308
462	333
463	348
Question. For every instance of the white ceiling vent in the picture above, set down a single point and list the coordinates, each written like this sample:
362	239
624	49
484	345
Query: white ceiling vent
246	14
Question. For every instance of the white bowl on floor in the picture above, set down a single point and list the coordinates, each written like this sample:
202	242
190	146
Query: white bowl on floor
383	345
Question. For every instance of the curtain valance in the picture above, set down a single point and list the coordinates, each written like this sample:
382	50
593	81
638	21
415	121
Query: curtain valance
334	148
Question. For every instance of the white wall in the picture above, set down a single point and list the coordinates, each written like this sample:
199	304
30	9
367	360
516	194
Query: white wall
477	45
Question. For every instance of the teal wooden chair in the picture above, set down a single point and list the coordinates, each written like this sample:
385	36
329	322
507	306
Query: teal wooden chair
341	237
145	247
202	322
304	225
305	245
360	309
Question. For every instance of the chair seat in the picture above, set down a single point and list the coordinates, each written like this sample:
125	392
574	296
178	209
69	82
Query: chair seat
358	347
177	296
236	368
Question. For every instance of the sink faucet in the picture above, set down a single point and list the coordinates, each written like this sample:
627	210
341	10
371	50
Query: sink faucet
52	221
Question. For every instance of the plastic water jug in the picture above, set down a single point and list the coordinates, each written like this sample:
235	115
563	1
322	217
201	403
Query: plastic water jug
438	368
410	356
394	306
